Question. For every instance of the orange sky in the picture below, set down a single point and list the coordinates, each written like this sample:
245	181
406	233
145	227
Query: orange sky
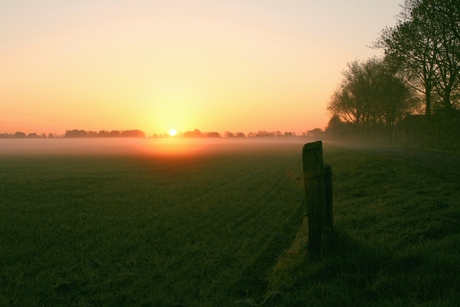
156	65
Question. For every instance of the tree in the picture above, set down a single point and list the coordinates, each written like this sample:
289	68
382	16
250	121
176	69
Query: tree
5	135
193	134
371	97
441	19
315	133
103	134
132	133
352	101
92	134
426	45
75	133
212	135
114	134
336	128
395	98
19	135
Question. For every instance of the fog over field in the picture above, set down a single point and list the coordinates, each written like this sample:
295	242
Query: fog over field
135	146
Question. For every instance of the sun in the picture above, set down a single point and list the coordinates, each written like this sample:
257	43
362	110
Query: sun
172	132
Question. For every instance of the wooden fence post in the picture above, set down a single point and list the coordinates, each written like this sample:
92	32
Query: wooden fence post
318	192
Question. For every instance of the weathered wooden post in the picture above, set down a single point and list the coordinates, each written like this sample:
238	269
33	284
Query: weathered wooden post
318	192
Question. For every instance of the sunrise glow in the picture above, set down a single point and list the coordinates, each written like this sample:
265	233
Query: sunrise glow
172	132
209	65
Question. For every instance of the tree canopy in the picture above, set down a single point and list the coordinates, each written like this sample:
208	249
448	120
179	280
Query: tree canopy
371	97
418	74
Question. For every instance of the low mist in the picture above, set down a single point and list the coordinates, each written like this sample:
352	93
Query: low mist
138	146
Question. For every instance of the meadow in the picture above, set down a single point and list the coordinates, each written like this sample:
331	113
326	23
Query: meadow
219	223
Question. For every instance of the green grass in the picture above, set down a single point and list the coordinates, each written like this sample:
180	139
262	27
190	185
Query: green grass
398	239
224	228
201	229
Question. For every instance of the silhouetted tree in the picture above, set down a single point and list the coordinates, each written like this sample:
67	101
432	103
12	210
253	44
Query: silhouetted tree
133	133
425	44
114	133
415	56
264	133
316	133
337	129
75	133
92	134
19	135
193	134
351	101
371	97
212	135
5	135
441	19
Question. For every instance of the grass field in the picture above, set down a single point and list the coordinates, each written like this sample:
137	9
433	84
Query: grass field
222	227
154	230
398	238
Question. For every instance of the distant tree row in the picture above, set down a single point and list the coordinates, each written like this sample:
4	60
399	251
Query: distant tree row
103	134
22	135
264	133
227	134
419	74
76	133
190	134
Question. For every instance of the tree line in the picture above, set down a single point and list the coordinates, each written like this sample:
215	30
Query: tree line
419	74
76	133
22	135
227	134
104	134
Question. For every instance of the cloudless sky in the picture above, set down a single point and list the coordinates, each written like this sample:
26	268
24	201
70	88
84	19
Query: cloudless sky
240	65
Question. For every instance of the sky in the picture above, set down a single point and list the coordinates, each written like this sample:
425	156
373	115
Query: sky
213	65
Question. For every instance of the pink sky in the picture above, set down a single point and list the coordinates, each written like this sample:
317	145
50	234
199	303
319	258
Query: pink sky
157	65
